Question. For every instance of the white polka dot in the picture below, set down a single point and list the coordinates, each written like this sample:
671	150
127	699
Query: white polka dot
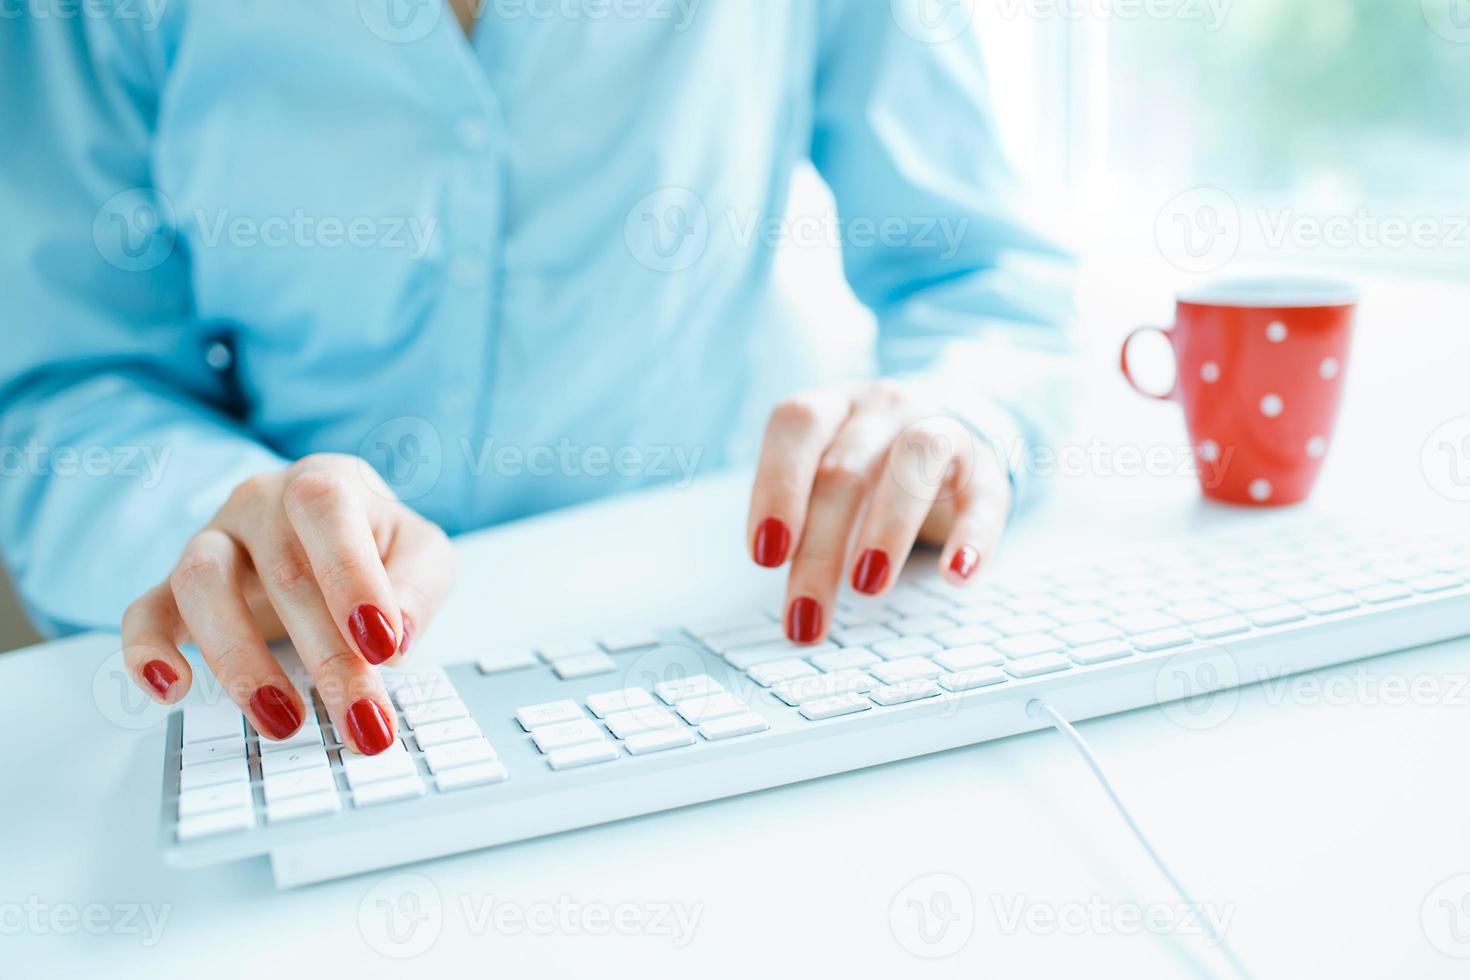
1271	406
1316	447
1276	332
1209	450
1209	372
1328	368
1260	490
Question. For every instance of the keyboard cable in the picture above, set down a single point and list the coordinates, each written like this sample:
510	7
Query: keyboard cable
1040	710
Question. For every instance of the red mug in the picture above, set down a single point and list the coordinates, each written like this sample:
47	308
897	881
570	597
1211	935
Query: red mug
1259	367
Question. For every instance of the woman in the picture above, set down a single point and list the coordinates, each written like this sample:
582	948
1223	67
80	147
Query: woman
317	264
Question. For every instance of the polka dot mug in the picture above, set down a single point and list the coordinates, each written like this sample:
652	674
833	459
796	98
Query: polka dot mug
1259	371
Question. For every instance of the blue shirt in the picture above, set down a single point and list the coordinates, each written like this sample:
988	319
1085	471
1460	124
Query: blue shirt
514	272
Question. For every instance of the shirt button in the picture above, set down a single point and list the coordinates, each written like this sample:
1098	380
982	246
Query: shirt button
467	270
219	357
474	134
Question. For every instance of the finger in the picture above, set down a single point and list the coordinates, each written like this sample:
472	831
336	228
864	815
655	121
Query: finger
845	475
981	507
928	461
331	521
422	566
151	632
799	430
351	689
207	585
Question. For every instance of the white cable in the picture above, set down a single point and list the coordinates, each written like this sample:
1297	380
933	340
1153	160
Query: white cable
1037	708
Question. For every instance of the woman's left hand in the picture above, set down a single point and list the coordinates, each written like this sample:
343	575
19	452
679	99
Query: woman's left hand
865	470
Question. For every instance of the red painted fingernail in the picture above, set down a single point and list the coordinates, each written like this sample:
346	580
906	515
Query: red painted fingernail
964	562
772	541
407	633
871	572
369	727
160	676
373	633
804	620
275	713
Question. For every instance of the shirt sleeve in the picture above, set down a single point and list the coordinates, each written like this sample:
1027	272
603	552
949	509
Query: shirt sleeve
938	239
119	432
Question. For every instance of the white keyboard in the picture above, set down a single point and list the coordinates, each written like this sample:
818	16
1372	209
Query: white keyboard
512	744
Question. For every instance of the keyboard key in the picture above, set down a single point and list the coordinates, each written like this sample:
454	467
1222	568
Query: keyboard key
1352	581
781	670
1250	601
628	641
658	741
765	632
1197	611
848	658
1332	603
1276	615
908	646
1432	583
747	657
207	799
841	704
214	751
552	652
1096	653
968	680
639	720
301	807
207	722
218	822
403	788
734	726
1224	626
912	602
611	702
290	760
588	754
1133	602
1073	615
800	690
536	715
904	692
1388	592
456	754
1028	645
860	636
1302	589
697	711
907	669
1045	663
506	661
1144	622
1174	636
214	774
436	711
964	636
697	686
867	615
1084	633
980	613
1022	625
360	770
713	626
583	665
965	658
920	625
445	732
482	774
299	782
413	690
307	736
549	738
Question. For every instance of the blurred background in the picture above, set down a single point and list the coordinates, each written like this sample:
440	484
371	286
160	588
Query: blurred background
1178	140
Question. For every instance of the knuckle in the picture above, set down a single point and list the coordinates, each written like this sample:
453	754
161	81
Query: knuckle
887	392
841	474
199	568
314	489
249	492
347	570
288	572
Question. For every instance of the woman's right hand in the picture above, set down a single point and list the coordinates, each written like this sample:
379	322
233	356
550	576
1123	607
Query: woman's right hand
322	552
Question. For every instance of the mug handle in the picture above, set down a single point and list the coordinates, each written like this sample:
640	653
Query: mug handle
1168	334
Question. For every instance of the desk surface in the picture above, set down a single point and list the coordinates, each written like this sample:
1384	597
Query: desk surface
1322	816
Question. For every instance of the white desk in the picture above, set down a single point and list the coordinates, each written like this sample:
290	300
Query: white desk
1320	823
